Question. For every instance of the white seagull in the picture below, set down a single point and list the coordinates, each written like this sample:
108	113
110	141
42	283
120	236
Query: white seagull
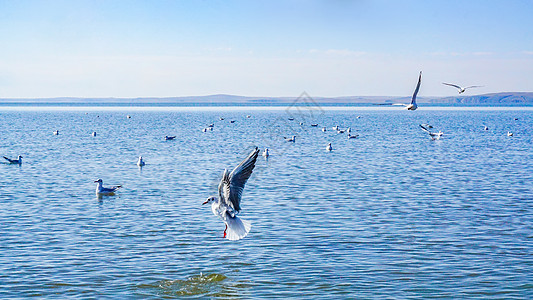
100	190
141	162
56	132
462	89
412	105
17	161
433	135
94	133
265	152
292	139
328	147
228	203
324	129
352	136
508	134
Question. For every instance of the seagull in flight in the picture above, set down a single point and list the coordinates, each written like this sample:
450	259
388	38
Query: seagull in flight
412	105
228	203
100	190
433	135
462	89
17	161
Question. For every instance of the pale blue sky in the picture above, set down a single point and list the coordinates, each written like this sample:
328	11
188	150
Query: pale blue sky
262	48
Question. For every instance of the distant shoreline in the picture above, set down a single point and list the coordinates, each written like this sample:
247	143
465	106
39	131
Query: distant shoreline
304	99
247	108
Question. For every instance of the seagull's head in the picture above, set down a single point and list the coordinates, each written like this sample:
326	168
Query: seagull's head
98	181
209	200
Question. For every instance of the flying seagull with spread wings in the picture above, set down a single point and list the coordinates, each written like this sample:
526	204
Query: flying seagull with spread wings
412	105
228	203
461	89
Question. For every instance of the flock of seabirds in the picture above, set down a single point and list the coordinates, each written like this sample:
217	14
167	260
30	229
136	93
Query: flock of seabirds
227	204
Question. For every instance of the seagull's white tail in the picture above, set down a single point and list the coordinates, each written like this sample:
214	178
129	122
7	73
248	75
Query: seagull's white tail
237	228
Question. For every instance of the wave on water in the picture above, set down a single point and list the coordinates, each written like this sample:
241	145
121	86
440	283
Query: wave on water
202	284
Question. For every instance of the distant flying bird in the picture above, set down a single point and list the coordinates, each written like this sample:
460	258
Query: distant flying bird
141	162
461	89
100	190
169	138
17	161
328	147
433	135
228	203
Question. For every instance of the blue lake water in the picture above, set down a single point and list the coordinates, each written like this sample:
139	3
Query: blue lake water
391	214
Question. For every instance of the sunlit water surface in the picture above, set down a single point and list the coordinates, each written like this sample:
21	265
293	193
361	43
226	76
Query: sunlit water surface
391	214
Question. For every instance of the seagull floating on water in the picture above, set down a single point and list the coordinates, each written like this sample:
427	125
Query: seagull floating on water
17	161
485	128
94	133
352	136
168	138
56	132
324	129
433	135
228	203
100	190
265	152
461	89
292	139
314	125
508	134
328	147
141	162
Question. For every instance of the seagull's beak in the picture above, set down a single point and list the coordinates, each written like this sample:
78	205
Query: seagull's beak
205	202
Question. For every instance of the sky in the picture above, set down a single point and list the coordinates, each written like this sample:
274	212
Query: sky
270	48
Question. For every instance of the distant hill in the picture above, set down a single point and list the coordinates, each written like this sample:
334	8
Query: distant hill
508	98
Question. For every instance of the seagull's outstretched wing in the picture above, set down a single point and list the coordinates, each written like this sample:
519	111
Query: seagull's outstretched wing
232	184
454	85
473	86
417	88
425	129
